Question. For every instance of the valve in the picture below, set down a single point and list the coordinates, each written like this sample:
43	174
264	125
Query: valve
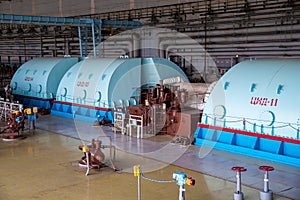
266	194
239	169
27	111
84	149
266	168
190	181
35	109
182	179
238	195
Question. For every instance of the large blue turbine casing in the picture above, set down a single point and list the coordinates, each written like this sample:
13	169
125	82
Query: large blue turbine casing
95	86
254	110
35	82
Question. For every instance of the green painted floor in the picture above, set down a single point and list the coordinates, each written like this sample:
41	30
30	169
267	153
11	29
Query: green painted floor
44	166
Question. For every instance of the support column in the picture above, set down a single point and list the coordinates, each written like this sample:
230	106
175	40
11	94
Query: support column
86	37
92	7
60	9
93	37
80	40
33	7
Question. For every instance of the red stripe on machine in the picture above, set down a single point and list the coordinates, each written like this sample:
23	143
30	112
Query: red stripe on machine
81	105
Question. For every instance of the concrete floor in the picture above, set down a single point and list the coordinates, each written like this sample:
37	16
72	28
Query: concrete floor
44	165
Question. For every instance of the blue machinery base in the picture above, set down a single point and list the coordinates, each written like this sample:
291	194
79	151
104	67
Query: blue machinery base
273	148
81	112
67	110
29	102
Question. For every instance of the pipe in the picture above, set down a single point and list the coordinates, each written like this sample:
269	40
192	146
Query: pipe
129	39
80	40
93	37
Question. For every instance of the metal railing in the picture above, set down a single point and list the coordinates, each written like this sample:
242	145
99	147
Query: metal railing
7	107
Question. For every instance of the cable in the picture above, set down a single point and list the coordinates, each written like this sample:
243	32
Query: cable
154	180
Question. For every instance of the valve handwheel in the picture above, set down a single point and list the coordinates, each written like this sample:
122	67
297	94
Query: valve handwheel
239	169
266	168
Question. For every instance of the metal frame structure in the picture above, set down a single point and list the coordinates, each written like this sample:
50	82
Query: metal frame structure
96	25
7	107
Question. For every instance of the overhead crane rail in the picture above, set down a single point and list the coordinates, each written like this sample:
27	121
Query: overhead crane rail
96	25
45	20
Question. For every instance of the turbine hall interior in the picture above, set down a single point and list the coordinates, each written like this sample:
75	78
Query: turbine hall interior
205	90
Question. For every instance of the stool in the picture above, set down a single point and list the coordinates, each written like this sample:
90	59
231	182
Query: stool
238	195
266	194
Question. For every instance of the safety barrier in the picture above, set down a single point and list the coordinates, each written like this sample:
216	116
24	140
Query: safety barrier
120	122
178	177
7	107
257	126
136	121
